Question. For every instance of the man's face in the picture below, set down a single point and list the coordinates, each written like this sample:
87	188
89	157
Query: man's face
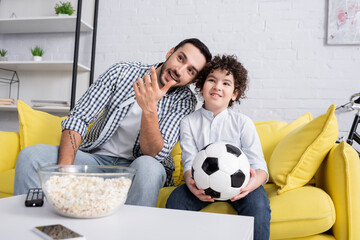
181	66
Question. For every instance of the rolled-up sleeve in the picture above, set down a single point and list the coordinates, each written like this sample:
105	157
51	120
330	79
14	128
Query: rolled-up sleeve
92	102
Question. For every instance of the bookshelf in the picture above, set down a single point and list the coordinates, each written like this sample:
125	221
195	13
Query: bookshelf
62	80
42	25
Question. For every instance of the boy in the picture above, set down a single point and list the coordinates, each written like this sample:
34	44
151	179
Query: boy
222	82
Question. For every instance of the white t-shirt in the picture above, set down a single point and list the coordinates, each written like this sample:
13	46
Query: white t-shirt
121	144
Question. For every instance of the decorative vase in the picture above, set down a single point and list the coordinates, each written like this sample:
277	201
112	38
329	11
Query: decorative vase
37	58
3	59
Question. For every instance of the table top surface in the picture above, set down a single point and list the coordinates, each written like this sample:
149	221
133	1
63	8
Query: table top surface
129	222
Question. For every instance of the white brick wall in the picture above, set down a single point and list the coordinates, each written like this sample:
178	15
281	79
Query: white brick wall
282	43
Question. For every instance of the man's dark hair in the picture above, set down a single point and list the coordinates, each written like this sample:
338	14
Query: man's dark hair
230	64
198	44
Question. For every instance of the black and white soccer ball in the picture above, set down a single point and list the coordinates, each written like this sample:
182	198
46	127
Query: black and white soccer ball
221	169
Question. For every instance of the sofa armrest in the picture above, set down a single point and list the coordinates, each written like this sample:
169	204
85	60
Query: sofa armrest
9	150
339	177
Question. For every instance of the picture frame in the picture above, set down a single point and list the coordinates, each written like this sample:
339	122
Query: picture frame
343	22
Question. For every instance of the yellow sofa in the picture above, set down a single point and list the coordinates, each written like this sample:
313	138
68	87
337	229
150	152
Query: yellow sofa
313	187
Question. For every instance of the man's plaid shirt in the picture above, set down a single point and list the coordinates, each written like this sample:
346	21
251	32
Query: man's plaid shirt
108	100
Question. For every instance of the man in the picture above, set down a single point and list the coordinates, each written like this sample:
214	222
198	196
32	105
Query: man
136	122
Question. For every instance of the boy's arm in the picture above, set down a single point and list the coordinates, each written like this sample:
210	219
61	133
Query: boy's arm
187	144
188	152
251	146
252	149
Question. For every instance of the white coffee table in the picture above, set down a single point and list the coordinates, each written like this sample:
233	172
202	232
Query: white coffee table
130	222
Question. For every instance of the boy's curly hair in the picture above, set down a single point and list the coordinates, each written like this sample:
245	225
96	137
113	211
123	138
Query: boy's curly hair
230	64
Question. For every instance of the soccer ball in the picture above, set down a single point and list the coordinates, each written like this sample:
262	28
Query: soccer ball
221	169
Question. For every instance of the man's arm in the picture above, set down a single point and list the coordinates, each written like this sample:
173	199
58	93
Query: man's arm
147	96
151	140
69	144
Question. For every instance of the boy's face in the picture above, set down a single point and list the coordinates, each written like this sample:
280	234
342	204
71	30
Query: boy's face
181	66
218	90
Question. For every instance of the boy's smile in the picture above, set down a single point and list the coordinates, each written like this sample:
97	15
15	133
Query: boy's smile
218	91
215	95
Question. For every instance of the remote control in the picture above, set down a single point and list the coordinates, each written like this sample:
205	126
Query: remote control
34	198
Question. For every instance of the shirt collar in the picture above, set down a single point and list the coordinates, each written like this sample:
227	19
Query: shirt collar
209	115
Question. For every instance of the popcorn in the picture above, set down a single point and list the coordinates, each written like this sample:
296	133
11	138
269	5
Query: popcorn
86	197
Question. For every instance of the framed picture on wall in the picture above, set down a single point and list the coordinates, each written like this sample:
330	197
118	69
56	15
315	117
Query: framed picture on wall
344	22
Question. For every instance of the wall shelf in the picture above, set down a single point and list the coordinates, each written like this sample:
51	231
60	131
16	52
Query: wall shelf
42	25
48	66
8	108
13	108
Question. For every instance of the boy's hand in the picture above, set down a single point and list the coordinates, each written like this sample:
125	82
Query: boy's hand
199	193
148	93
252	185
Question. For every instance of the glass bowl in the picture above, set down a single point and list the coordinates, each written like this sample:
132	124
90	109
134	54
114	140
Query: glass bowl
85	191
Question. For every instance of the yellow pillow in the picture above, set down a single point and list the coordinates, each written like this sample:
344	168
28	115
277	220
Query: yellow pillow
298	155
178	173
9	149
271	132
37	127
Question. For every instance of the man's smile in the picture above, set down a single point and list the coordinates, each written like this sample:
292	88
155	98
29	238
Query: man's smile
173	76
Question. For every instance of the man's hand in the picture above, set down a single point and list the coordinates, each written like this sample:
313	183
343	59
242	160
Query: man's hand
148	93
199	193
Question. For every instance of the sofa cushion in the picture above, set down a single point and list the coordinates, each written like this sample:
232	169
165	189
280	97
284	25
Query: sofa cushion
339	176
178	173
302	212
271	132
9	149
164	194
7	183
37	127
298	155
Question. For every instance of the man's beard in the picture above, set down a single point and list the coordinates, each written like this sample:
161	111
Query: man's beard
160	78
162	70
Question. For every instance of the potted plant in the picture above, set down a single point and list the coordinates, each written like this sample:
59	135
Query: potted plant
3	53
64	9
37	53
